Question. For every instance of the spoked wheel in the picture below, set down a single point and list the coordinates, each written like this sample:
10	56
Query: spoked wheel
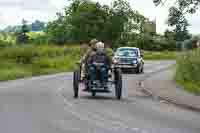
76	78
118	83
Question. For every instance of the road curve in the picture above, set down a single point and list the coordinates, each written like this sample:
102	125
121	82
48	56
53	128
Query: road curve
45	105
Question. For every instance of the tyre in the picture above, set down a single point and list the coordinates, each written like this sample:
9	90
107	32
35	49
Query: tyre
76	78
93	94
118	84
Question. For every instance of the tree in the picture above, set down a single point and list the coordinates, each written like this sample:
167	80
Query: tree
177	16
186	6
58	30
21	36
177	20
24	28
81	21
37	26
169	35
84	20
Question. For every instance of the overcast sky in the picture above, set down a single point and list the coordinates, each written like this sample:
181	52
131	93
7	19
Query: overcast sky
13	11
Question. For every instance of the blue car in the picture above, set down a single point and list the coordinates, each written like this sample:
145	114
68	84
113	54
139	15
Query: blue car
129	58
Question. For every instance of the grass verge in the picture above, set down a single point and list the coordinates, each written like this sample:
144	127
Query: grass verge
34	60
190	86
28	61
188	71
164	55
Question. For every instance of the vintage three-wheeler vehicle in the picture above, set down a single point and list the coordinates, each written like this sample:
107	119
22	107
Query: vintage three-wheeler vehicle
98	79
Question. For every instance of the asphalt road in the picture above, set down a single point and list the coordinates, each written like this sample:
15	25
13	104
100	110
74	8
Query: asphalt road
46	105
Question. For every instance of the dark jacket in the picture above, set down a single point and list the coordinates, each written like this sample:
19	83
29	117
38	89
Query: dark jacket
100	57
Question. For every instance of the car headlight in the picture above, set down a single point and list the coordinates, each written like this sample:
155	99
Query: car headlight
134	61
115	60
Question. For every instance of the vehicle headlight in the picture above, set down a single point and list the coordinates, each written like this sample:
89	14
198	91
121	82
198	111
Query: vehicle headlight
134	61
115	60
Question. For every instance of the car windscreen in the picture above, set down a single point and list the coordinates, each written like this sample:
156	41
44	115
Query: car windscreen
127	52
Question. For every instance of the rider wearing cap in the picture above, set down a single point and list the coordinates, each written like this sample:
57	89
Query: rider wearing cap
91	51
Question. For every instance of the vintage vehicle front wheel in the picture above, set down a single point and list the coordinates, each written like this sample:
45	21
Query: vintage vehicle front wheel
93	93
76	79
118	83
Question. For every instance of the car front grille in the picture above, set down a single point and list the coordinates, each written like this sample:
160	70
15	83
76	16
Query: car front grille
126	60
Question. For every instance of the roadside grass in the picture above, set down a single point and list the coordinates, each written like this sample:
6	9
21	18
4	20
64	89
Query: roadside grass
7	39
21	61
164	55
191	87
188	71
26	61
10	70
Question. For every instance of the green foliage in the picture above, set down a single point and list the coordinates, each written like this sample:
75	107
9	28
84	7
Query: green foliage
32	60
155	43
6	39
189	86
10	70
22	37
37	26
188	70
58	30
177	19
169	35
4	44
38	38
165	55
84	20
14	73
177	16
186	6
110	52
26	54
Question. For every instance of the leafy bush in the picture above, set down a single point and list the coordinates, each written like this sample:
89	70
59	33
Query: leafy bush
4	44
187	44
19	54
38	38
32	60
27	54
22	39
188	71
109	51
11	70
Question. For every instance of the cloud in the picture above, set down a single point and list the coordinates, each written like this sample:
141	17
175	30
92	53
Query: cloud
28	4
13	11
194	21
